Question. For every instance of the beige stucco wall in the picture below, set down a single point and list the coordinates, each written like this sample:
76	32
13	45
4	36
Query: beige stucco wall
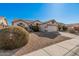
52	28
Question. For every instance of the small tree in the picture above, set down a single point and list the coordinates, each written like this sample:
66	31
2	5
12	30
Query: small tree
64	28
59	27
35	28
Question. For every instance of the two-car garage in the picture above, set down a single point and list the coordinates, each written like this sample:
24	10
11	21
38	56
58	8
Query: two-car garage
48	28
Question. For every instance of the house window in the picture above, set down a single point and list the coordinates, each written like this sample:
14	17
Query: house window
21	24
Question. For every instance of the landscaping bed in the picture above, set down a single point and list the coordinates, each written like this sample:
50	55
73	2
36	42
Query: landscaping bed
12	39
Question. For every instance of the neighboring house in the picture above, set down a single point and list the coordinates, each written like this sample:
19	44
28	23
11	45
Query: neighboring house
22	23
49	27
3	22
70	26
73	26
25	23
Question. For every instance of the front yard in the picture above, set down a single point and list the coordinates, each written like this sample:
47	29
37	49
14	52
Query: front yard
39	40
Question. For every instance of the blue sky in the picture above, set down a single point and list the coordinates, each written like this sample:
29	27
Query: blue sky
62	12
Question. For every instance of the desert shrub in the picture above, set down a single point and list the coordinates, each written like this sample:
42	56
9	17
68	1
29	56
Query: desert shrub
13	37
71	30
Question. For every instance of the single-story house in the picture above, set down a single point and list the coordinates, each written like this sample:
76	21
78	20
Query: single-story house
22	23
25	23
49	26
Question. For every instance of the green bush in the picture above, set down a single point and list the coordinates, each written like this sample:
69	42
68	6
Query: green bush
35	28
13	37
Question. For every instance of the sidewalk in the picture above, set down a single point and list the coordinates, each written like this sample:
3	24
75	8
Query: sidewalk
68	34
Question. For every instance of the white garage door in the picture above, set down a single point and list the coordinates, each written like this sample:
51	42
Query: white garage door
51	28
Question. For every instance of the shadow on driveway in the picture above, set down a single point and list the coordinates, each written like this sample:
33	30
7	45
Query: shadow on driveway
50	35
